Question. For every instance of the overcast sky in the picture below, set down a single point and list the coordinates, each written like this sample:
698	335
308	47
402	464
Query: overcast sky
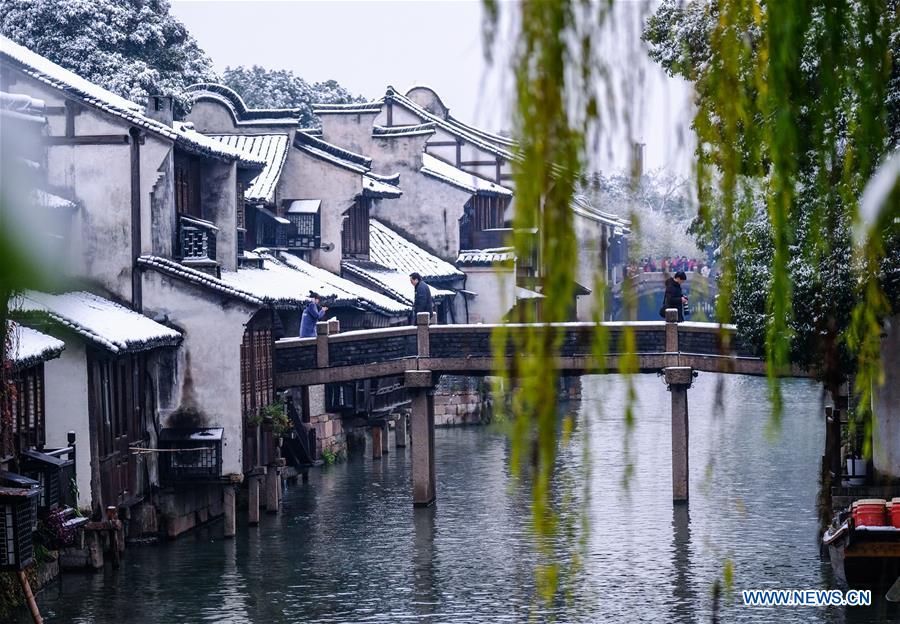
368	44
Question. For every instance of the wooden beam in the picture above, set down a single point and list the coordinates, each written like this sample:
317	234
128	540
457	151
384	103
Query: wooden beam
88	139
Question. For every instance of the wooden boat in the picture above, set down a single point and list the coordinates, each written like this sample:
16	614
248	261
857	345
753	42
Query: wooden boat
863	556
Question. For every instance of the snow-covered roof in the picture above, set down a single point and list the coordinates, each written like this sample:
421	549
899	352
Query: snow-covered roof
446	172
285	281
329	152
211	147
271	149
581	205
391	132
485	257
240	112
375	187
29	347
45	199
372	184
73	85
390	281
329	284
524	293
470	135
304	206
352	108
103	322
393	251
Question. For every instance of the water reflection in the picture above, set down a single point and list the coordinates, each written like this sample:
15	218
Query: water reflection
427	597
684	596
348	546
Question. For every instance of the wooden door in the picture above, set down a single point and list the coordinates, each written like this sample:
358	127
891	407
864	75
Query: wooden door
117	422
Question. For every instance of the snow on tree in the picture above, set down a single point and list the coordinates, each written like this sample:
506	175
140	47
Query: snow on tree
281	88
821	270
660	206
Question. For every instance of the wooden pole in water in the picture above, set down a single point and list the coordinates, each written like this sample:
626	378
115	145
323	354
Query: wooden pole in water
376	441
29	598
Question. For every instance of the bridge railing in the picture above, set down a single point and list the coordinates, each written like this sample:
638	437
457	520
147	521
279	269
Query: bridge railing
334	356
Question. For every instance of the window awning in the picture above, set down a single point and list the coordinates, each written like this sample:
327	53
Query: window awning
304	206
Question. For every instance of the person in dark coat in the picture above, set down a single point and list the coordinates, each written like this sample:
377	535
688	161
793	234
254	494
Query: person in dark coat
674	298
422	301
311	315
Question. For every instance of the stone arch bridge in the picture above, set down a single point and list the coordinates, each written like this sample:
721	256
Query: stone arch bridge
421	354
648	288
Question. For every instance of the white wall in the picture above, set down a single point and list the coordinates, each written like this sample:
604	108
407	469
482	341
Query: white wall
209	378
66	405
307	177
496	293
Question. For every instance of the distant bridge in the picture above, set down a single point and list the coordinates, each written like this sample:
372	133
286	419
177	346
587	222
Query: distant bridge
648	288
421	354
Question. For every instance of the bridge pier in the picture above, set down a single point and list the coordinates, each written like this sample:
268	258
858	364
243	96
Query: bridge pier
679	379
420	385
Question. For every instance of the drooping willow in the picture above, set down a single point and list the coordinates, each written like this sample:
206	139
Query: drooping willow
795	102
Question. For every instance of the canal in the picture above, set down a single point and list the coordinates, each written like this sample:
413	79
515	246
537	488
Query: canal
348	547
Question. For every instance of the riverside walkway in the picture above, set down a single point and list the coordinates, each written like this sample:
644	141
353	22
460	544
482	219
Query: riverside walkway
421	354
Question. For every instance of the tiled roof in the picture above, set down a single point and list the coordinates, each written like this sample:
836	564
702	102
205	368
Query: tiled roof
390	132
390	281
583	206
485	257
374	187
29	347
270	148
282	282
451	126
332	153
393	251
352	108
73	85
206	146
103	322
239	110
446	172
344	289
49	200
524	293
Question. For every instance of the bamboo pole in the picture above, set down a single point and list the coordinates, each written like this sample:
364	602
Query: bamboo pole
29	598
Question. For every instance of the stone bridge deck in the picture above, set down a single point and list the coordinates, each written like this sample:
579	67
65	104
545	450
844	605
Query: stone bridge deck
467	349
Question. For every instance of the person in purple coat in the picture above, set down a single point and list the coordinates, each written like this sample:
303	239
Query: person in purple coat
311	315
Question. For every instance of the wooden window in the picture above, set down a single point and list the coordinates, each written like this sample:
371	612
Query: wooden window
240	204
488	212
27	406
355	232
257	379
187	186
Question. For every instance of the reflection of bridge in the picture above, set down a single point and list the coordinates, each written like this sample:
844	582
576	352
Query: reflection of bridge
649	287
423	353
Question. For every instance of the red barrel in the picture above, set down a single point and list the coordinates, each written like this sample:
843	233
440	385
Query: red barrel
870	512
895	512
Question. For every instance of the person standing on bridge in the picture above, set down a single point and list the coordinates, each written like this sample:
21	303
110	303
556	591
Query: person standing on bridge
674	297
422	302
311	315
